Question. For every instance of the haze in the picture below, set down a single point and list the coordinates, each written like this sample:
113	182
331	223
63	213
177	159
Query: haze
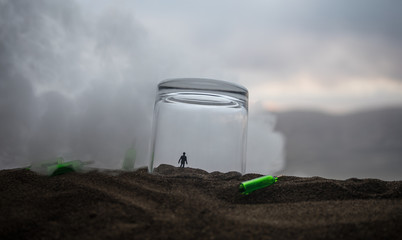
80	76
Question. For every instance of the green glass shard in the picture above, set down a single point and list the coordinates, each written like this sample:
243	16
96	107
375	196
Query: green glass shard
257	183
57	166
129	159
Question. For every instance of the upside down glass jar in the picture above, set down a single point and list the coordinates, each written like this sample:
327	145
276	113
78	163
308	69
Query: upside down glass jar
204	118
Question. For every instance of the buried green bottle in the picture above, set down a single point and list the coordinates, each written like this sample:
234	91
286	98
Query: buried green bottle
250	186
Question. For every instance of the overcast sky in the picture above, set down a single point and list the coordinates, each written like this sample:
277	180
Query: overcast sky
80	76
331	55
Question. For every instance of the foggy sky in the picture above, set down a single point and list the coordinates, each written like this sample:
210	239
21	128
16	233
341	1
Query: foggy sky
80	77
336	56
81	84
70	84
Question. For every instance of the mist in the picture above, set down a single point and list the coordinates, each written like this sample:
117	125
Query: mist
79	79
72	85
82	85
364	144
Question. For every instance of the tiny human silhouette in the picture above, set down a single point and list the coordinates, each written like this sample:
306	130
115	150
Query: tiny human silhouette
182	160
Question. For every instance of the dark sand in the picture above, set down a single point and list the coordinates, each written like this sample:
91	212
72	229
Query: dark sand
193	204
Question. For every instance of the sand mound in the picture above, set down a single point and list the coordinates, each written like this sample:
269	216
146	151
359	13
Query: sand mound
191	203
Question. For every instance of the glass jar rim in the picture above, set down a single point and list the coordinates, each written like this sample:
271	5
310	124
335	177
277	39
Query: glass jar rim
202	84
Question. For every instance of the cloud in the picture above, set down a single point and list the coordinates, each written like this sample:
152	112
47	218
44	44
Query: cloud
81	82
306	92
81	77
72	85
269	41
265	145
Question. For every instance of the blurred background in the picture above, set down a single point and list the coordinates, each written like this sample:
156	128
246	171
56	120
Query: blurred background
324	77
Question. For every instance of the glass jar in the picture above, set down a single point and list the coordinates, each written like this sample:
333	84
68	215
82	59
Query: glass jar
202	119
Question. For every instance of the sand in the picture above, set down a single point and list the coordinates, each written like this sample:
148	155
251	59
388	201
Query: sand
193	204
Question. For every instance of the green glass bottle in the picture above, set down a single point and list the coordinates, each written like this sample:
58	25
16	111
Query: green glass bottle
257	183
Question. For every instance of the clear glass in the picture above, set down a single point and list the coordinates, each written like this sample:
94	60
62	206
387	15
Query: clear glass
206	119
